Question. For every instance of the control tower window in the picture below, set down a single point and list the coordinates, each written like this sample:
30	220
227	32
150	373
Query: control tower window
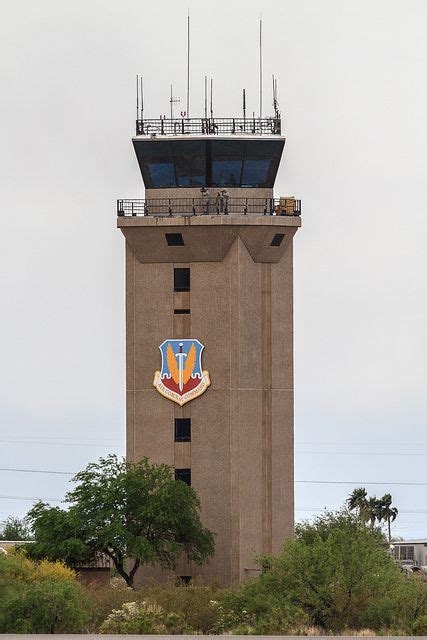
227	157
261	162
190	163
181	279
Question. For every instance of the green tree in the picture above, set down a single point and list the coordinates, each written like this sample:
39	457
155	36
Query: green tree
135	513
15	529
368	508
387	513
339	573
358	501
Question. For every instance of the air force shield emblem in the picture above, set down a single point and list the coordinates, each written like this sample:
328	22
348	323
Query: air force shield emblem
181	378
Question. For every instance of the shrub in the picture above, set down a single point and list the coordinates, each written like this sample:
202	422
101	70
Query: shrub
337	574
420	626
43	598
195	602
144	618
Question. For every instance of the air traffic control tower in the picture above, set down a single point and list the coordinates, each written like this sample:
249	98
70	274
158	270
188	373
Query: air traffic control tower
209	328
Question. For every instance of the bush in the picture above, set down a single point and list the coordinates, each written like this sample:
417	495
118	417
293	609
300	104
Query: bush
43	598
184	607
195	602
420	626
337	574
144	618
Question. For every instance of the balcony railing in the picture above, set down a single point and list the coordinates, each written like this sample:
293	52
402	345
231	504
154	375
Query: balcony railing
208	126
209	206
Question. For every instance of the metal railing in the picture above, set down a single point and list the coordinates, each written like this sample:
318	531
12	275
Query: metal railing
208	126
210	206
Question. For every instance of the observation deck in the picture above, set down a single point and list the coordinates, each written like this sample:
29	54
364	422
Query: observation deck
208	206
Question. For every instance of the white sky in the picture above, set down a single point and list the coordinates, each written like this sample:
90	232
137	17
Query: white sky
353	94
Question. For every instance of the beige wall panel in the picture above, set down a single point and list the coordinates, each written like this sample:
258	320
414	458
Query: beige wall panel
182	455
250	477
181	326
130	316
210	469
210	318
130	425
182	299
153	318
282	467
248	321
154	427
282	321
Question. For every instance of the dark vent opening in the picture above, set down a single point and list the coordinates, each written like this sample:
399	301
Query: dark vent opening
174	239
181	279
184	475
277	240
182	429
181	312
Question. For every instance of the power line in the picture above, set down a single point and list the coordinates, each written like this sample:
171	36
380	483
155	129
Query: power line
60	473
358	483
29	498
361	453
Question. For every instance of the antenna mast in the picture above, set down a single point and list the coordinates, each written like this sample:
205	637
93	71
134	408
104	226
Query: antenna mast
142	99
206	97
188	64
260	66
211	98
244	104
137	96
173	101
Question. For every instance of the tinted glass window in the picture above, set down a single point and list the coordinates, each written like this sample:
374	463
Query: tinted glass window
190	163
227	160
161	174
261	162
182	429
184	475
155	161
181	279
255	172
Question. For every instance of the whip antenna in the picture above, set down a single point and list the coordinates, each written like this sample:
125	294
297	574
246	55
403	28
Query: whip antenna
260	66
137	96
206	97
188	64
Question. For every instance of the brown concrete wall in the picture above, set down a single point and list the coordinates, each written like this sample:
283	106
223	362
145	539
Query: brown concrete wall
241	453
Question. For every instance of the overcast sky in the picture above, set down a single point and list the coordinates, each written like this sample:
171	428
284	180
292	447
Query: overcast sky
354	98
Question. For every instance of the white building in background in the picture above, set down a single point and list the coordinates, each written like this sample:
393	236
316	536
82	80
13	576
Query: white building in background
413	552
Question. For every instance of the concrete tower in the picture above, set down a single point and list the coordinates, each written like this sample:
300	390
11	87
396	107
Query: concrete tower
209	269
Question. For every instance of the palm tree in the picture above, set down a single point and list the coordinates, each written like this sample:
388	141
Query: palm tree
388	513
358	501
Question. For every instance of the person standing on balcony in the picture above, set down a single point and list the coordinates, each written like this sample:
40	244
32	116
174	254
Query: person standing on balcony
225	198
205	199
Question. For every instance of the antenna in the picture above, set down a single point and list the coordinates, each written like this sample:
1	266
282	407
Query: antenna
188	63
260	66
206	97
173	101
211	98
137	96
244	104
142	99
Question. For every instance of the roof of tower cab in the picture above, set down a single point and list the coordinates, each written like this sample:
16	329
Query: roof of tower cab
268	126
